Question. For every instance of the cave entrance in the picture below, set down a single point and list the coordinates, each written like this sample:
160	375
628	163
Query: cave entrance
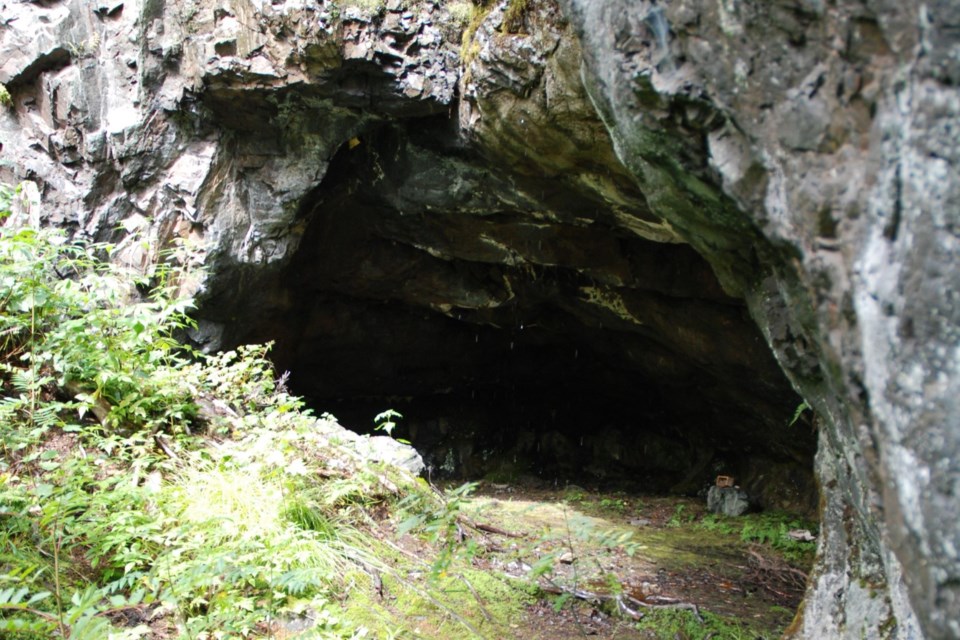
522	329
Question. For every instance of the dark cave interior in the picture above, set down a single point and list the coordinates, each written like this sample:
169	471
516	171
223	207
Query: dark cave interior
518	335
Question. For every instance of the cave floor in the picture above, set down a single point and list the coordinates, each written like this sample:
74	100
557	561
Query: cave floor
615	565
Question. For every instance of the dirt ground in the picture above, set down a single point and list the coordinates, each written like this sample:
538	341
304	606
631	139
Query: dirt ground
628	566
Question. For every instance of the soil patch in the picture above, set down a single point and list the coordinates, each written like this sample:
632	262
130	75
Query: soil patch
629	566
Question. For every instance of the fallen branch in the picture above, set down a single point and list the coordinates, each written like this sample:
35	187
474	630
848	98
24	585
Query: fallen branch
779	570
664	604
487	528
158	438
623	601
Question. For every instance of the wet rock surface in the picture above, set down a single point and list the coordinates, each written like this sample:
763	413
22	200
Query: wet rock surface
573	240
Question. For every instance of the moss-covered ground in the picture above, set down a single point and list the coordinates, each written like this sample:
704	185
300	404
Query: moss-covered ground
681	572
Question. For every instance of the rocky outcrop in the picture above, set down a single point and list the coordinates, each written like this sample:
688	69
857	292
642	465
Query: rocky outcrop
592	236
831	136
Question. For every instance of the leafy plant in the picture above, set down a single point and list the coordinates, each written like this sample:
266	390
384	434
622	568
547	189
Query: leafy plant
462	12
438	516
574	494
72	321
678	519
6	99
387	421
803	406
143	485
615	505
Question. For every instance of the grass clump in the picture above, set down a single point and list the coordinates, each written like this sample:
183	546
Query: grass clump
667	624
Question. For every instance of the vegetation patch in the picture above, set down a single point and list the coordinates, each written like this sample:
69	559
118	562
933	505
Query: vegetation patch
667	624
147	491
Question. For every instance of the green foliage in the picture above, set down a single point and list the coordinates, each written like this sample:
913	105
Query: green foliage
768	528
614	505
84	48
772	529
69	320
720	524
6	100
678	519
438	515
803	406
462	12
469	46
574	495
667	624
387	421
515	15
102	526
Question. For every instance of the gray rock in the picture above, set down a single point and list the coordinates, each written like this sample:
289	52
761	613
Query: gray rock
729	501
858	319
386	449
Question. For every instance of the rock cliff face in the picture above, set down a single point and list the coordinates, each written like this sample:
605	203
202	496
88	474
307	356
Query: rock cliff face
610	237
834	140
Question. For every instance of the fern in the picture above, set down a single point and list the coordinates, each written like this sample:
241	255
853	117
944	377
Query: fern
803	406
19	600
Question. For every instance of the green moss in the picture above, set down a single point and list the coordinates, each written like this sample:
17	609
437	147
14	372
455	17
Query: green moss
462	12
6	99
889	627
514	16
469	47
667	624
459	605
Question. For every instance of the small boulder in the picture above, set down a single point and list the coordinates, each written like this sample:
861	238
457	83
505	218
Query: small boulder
729	501
386	449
